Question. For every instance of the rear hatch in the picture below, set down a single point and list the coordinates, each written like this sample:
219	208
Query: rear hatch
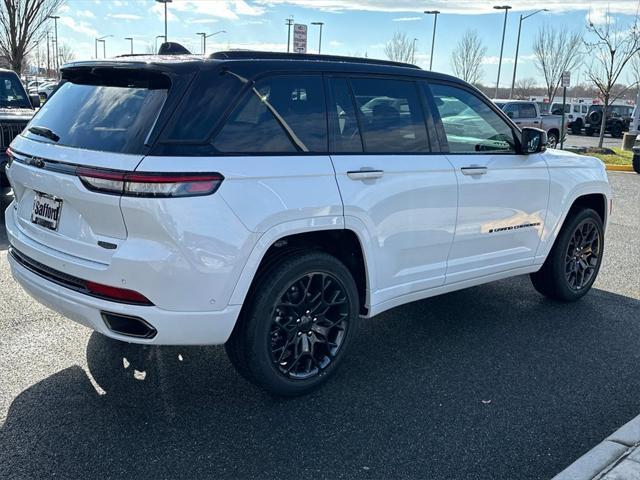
102	117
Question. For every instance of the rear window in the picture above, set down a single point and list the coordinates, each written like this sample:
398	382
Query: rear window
110	118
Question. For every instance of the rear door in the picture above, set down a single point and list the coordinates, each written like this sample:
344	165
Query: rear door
502	195
86	124
398	193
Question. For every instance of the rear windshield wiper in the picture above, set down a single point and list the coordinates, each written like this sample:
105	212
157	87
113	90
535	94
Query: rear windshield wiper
44	132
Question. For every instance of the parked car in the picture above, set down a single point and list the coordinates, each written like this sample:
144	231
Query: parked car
16	109
575	113
44	89
617	122
528	114
250	199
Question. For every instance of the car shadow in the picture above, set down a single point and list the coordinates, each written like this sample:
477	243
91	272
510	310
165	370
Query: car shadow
481	383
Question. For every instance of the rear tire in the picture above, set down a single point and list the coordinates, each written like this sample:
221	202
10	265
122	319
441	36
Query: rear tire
296	325
636	163
576	127
588	131
574	261
617	131
552	139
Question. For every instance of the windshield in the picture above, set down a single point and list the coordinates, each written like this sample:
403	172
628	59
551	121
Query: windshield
12	94
99	117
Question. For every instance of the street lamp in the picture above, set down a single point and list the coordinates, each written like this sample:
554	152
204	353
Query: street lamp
205	35
413	51
435	14
157	37
320	24
515	63
289	23
506	9
130	40
165	16
55	23
104	49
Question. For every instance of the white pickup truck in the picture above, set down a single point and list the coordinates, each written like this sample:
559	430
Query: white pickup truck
527	114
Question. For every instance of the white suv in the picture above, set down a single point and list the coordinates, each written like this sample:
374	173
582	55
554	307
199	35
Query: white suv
267	202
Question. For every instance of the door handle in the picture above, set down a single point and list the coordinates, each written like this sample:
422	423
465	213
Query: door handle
474	170
364	174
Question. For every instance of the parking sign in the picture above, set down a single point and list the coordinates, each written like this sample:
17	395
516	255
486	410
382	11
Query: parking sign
300	38
566	79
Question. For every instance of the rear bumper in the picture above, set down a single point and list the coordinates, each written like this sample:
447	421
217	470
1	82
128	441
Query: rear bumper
173	328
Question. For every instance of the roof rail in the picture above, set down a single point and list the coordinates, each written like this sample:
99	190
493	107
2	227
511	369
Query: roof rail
257	55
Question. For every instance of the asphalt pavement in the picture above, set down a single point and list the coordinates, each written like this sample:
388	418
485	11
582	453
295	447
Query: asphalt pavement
592	141
492	382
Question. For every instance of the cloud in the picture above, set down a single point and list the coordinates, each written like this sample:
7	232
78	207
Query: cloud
451	6
203	20
335	43
599	16
407	19
84	14
78	26
227	9
125	16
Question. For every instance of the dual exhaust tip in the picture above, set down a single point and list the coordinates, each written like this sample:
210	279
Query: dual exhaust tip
128	326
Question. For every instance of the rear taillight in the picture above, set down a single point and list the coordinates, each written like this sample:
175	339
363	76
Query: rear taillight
149	184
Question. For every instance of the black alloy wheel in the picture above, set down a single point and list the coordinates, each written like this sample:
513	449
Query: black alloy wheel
583	255
308	325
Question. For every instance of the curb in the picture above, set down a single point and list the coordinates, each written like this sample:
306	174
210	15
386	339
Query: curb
606	456
619	168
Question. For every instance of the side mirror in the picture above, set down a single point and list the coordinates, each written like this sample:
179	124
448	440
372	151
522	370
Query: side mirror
35	101
534	140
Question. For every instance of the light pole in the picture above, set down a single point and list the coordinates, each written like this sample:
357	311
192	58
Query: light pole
101	39
435	14
165	16
506	9
289	23
207	35
413	51
49	58
55	29
515	62
130	40
320	24
157	37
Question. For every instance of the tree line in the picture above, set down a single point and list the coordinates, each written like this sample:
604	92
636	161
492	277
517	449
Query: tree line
605	50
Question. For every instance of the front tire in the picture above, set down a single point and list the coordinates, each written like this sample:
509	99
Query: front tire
574	261
297	324
552	139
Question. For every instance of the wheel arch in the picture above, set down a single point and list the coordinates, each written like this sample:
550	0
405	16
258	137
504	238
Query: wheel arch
342	243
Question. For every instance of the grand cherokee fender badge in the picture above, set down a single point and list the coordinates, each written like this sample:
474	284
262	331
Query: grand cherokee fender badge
514	227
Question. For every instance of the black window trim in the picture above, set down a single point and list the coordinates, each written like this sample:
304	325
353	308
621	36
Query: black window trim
517	133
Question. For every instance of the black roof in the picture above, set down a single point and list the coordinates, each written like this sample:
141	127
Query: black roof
249	63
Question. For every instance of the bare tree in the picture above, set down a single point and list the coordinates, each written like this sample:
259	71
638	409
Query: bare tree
66	53
399	48
21	24
150	49
525	88
611	47
635	73
467	57
556	51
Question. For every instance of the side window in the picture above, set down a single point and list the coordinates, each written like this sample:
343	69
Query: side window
283	114
343	123
390	115
585	109
512	110
576	109
528	110
471	126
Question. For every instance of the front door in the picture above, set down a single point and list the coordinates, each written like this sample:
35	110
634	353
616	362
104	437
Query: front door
503	195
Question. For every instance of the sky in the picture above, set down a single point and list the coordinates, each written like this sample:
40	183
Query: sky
351	27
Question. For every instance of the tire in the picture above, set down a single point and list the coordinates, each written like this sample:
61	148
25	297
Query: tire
617	130
636	163
552	139
554	279
576	127
271	326
588	131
